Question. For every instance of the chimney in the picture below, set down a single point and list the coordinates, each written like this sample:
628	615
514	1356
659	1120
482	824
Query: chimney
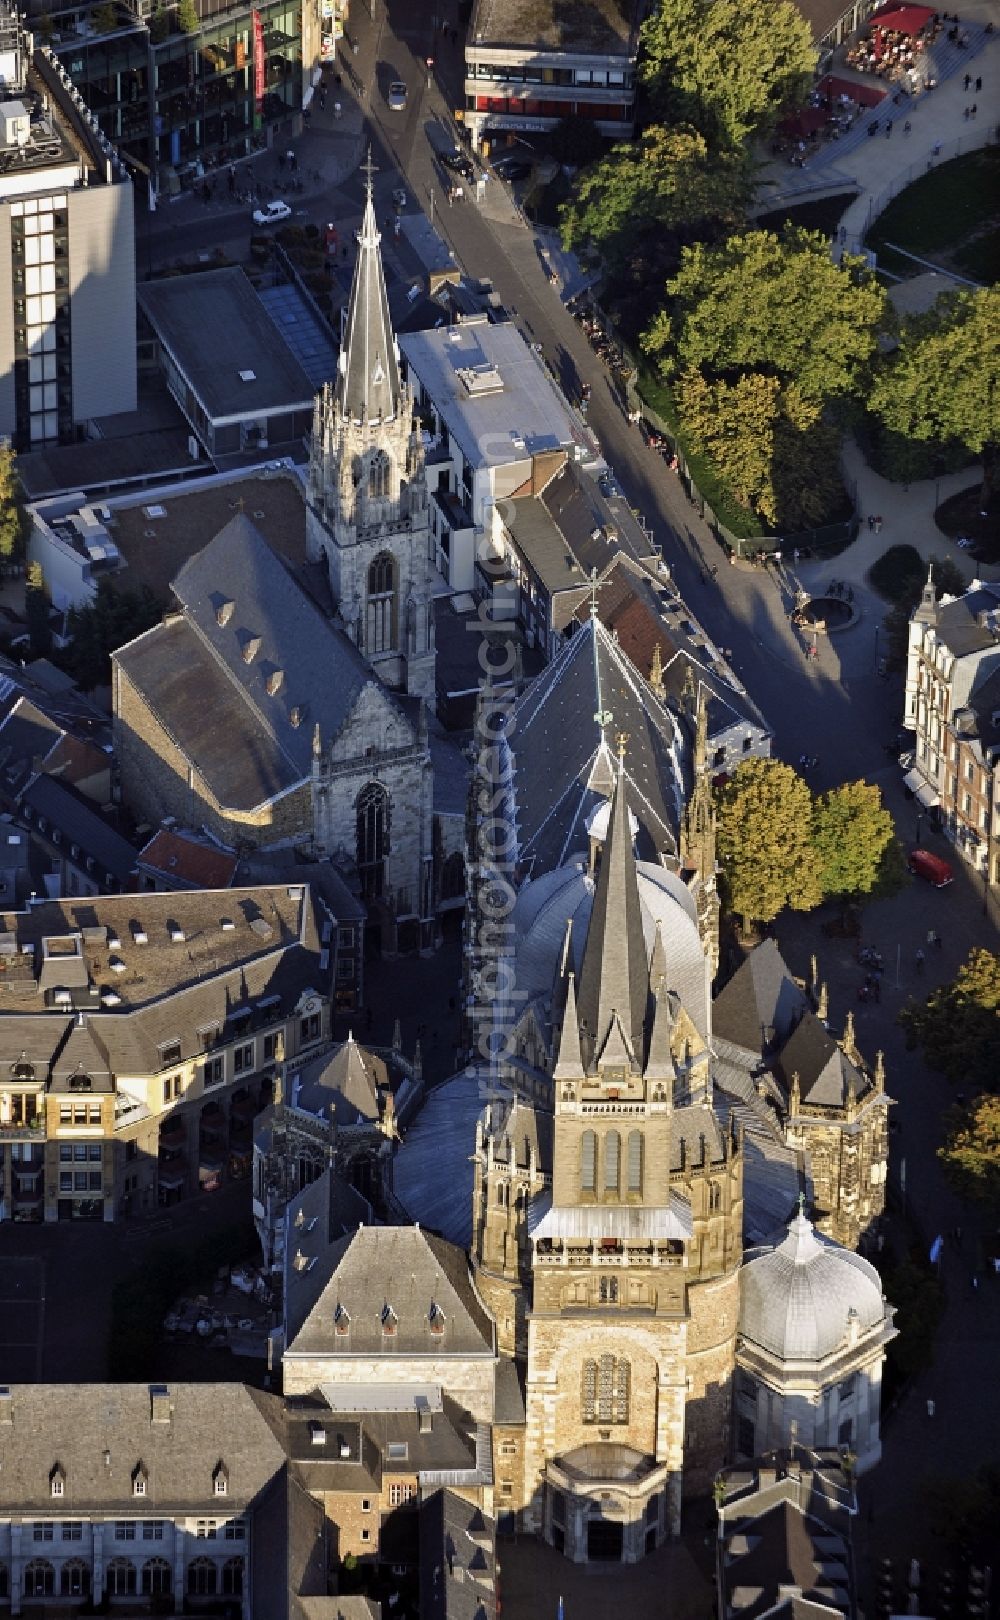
159	1403
425	1420
6	1405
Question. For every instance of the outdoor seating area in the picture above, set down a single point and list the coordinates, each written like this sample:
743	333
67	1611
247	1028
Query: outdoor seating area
895	46
834	106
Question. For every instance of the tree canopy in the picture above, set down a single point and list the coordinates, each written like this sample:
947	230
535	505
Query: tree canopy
36	607
959	1024
14	522
113	618
942	381
971	1149
727	70
851	832
764	841
645	199
774	305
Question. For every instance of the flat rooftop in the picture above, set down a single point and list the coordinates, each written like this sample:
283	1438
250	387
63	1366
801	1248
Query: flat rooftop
572	27
154	547
493	394
226	345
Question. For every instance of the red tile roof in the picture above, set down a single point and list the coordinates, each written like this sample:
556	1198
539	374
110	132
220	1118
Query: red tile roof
183	860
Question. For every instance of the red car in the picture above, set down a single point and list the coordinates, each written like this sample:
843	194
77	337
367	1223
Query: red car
930	867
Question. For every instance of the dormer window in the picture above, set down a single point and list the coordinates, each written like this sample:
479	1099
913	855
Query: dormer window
220	1479
436	1318
57	1481
341	1320
140	1480
389	1319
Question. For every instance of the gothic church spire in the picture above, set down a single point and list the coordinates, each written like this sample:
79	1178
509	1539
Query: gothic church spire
368	387
614	975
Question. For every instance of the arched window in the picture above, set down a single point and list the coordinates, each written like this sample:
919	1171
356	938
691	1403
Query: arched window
121	1578
612	1161
201	1578
715	1196
588	1162
606	1390
232	1577
379	469
382	615
74	1579
156	1579
635	1161
39	1578
608	1291
373	839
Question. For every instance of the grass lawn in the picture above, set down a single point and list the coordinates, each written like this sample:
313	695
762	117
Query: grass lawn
823	214
951	215
962	514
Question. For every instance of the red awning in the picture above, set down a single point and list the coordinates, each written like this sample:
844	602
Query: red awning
866	95
805	121
902	19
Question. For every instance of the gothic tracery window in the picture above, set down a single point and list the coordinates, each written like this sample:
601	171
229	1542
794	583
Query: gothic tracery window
378	476
382	605
372	839
606	1389
588	1162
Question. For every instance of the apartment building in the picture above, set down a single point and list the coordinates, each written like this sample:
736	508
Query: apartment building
67	294
529	66
953	706
128	1491
140	1037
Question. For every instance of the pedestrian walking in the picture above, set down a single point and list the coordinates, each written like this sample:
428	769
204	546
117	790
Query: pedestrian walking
978	86
936	149
931	936
907	127
973	110
931	1409
888	128
966	81
878	524
920	961
938	942
871	522
281	162
966	115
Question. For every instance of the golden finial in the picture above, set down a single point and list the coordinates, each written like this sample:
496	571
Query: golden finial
593	593
240	503
622	742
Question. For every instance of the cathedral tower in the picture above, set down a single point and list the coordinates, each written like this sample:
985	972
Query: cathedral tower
698	838
367	514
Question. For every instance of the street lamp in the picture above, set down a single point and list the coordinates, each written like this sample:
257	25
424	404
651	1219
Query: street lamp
876	649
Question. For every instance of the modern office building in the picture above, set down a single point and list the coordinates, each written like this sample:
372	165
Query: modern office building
179	102
67	294
529	66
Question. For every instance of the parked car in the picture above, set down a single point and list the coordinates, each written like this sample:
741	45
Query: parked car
930	867
397	96
458	163
511	169
272	213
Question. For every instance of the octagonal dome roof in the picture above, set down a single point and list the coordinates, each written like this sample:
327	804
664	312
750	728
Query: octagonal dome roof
797	1298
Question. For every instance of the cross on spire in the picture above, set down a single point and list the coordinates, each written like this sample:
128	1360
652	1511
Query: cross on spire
593	593
370	170
802	1203
621	742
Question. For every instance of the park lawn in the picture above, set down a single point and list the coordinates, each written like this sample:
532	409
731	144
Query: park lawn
936	215
980	258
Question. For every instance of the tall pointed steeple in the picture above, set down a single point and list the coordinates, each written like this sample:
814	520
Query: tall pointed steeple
368	388
614	976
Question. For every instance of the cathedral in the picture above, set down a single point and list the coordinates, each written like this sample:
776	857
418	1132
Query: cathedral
367	517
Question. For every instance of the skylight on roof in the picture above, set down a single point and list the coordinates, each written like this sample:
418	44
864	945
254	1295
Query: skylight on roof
248	376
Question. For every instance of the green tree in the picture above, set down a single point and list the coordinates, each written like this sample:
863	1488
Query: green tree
46	28
777	305
959	1024
727	70
850	832
576	140
646	199
971	1150
96	631
36	606
159	24
15	524
765	842
187	17
941	384
104	18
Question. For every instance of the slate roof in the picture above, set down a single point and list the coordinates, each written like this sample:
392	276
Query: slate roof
614	975
408	1270
644	613
760	1003
458	1567
207	681
568	528
368	386
957	623
432	1169
563	763
784	1546
187	863
346	1084
79	823
77	1425
215	327
826	1074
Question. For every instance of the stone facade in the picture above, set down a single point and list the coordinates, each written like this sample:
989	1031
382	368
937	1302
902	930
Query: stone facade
468	1379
